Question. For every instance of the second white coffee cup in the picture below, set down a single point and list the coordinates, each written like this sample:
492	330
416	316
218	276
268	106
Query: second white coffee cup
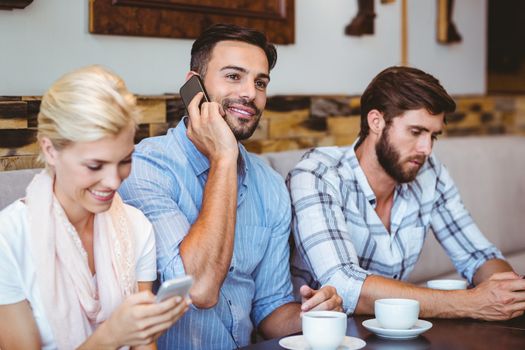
396	313
447	284
324	330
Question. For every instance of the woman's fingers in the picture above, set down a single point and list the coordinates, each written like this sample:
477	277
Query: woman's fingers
168	311
140	319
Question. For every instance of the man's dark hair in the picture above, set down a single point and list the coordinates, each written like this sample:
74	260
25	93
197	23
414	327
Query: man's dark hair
399	89
203	46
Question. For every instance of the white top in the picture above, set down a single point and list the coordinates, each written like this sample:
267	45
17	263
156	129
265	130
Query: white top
17	270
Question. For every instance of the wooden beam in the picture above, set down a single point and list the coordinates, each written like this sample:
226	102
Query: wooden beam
404	33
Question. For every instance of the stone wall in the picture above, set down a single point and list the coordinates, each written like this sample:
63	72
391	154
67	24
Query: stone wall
289	122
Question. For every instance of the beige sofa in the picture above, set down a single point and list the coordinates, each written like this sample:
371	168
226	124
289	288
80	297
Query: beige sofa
489	171
490	174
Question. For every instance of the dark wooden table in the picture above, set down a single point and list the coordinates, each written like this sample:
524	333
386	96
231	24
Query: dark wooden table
444	334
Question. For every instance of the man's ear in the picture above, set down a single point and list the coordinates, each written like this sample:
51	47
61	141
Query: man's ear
376	122
190	74
48	150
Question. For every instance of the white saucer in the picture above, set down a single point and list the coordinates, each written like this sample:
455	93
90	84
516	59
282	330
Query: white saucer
298	342
421	326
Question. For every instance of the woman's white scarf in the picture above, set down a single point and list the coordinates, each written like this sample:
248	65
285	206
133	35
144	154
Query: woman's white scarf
74	300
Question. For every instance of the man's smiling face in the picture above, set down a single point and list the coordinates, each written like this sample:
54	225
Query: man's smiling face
236	77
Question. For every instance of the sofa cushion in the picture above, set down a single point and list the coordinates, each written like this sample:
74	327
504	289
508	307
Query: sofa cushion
490	175
14	185
283	162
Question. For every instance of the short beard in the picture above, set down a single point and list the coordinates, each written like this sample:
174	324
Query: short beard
240	132
390	160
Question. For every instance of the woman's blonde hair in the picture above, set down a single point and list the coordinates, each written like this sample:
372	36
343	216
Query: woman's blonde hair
86	105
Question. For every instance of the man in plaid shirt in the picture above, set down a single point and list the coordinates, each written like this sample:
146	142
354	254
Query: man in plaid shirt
361	214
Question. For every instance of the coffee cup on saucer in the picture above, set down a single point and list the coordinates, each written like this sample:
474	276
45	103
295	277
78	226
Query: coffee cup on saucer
324	330
447	284
396	313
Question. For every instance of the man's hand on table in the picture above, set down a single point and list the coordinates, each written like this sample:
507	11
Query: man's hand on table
325	298
499	298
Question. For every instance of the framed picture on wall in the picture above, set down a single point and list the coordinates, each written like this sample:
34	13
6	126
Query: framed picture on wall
14	4
188	18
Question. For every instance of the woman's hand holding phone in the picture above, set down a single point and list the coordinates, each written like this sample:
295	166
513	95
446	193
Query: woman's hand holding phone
179	286
140	319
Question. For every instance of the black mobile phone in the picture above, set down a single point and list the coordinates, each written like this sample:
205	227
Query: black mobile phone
190	88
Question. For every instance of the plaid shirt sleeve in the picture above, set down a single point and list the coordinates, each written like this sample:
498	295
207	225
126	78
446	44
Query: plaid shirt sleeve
321	232
454	228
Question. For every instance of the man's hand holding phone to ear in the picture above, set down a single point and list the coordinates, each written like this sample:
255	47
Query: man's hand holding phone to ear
207	248
208	130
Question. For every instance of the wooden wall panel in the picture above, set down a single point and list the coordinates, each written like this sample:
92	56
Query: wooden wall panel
13	115
288	122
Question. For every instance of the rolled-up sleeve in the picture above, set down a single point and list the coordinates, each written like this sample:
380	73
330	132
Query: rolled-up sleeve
149	189
456	231
321	232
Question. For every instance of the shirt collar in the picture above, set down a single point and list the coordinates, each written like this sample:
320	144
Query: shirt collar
403	190
351	158
360	176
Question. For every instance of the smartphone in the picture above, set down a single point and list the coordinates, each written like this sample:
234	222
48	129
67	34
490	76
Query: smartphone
190	88
178	286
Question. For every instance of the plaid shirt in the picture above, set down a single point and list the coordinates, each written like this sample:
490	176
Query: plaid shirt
340	240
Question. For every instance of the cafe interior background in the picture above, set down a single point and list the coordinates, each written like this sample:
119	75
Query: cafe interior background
334	48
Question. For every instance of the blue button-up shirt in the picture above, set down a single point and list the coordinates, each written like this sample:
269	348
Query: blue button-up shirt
167	183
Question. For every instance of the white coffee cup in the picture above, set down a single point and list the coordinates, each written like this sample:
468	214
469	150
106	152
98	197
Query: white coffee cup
396	313
324	330
447	284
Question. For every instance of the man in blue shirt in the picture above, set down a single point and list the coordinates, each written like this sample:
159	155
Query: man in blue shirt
361	214
220	214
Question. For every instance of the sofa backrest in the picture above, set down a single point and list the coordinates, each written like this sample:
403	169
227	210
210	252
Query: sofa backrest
490	175
489	172
13	185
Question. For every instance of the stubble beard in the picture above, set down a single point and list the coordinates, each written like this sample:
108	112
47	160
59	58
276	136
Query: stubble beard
390	159
242	129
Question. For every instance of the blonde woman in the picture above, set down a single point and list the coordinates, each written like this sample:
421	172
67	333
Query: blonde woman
76	263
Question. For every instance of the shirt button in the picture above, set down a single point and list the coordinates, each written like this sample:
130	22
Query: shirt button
229	302
231	268
395	277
